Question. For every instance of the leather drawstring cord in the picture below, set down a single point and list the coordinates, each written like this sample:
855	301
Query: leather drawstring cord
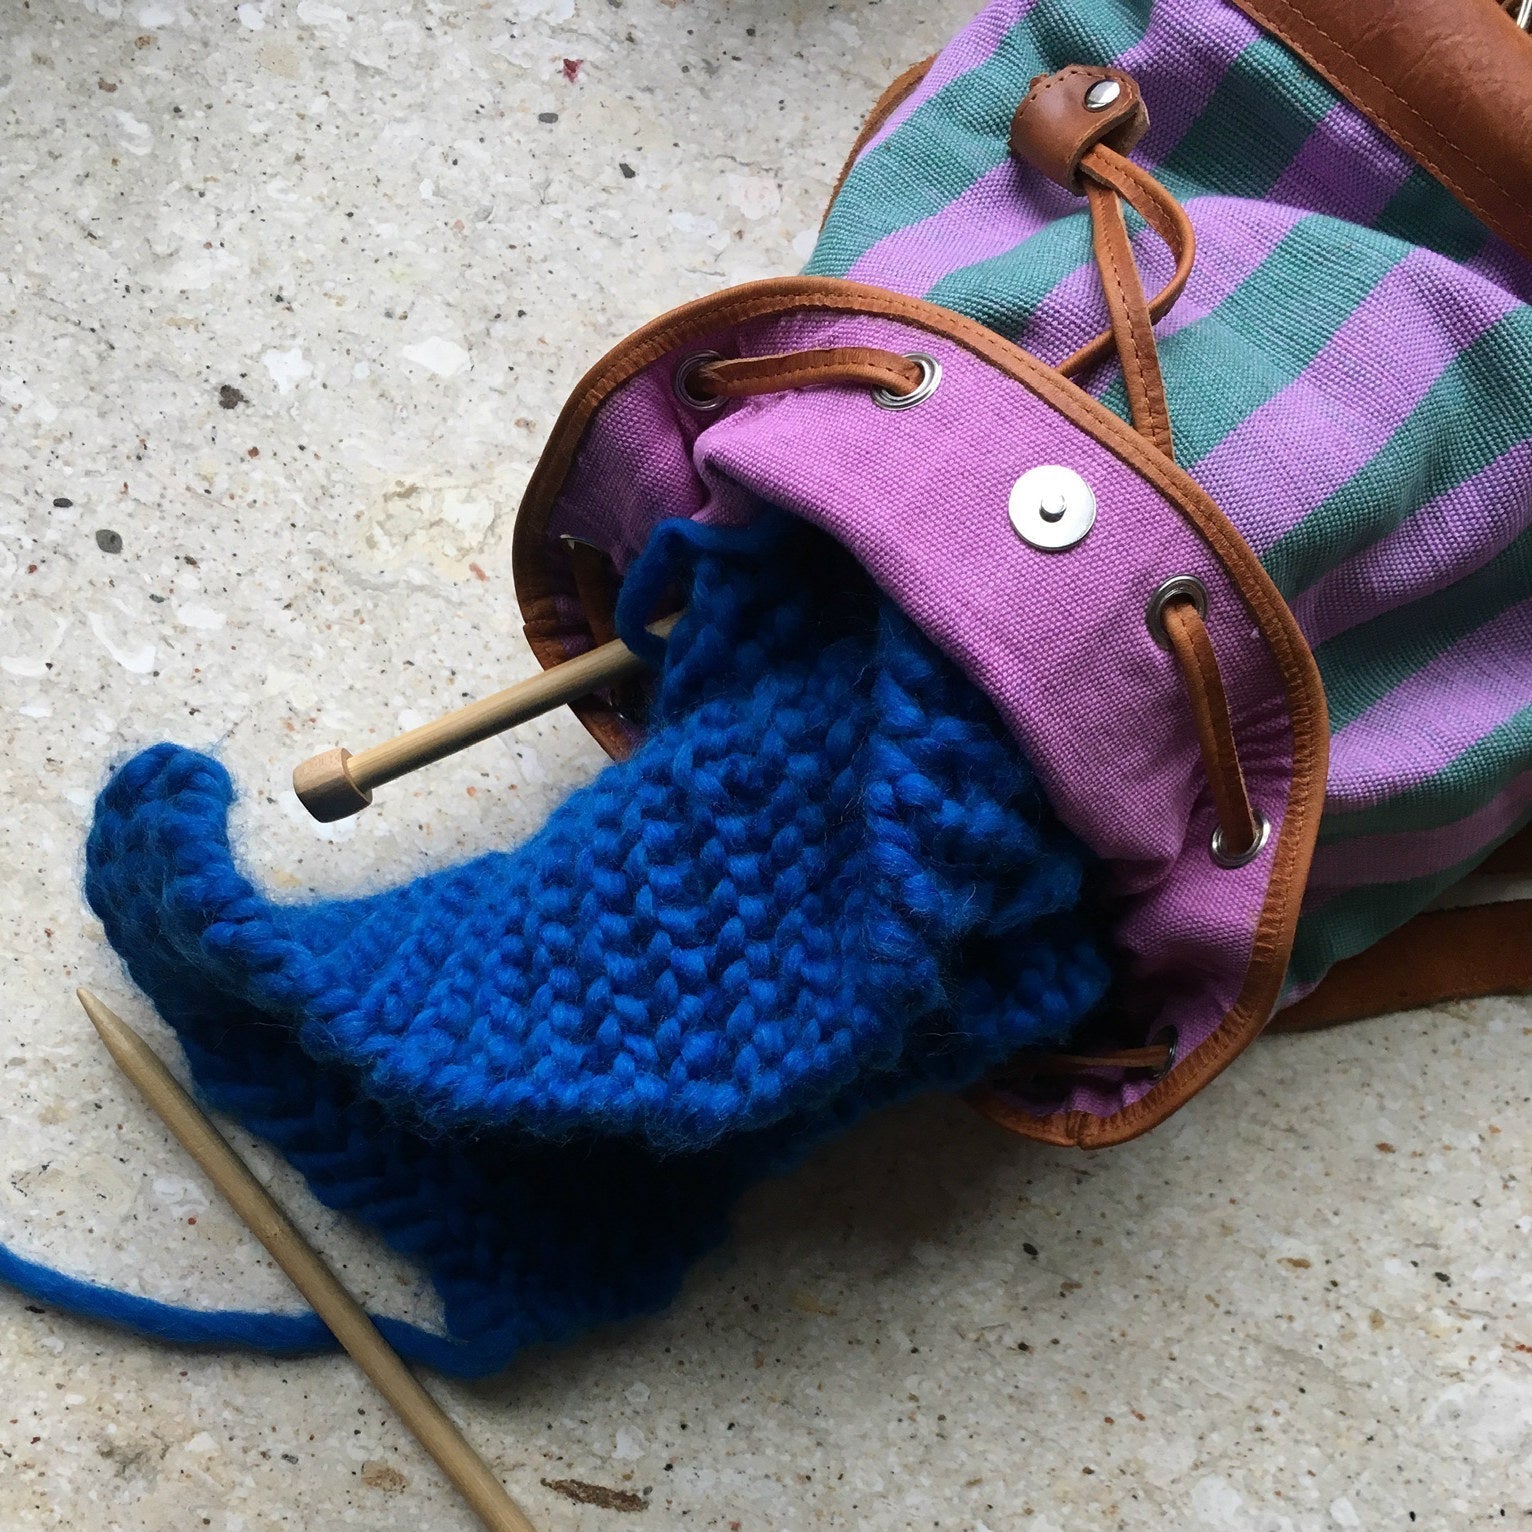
1111	180
829	366
1239	827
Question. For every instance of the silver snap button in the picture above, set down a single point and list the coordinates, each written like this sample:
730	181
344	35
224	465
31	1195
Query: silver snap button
1102	94
1052	508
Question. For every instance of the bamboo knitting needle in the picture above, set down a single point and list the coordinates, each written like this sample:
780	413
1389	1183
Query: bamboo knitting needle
339	1310
337	783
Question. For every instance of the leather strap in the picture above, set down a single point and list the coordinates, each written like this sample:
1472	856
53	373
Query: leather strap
596	585
1132	323
1510	859
829	366
1154	1057
1436	958
1193	649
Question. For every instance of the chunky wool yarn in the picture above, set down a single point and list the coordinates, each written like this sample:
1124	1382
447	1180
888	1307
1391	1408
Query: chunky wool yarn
825	882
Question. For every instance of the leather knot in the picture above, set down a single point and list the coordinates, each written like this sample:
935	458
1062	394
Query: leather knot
1065	115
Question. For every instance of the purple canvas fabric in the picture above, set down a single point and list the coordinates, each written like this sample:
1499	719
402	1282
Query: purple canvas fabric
1352	397
1342	865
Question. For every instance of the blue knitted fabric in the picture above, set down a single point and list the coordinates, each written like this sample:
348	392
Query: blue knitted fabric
826	881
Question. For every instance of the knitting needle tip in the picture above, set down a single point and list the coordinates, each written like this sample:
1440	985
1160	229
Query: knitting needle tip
111	1028
313	1278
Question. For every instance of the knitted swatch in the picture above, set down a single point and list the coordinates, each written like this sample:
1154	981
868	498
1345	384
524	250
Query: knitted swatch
825	881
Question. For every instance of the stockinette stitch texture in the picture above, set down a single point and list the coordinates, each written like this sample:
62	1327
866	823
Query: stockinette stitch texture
825	881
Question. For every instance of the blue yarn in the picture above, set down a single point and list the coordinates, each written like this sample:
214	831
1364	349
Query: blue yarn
825	882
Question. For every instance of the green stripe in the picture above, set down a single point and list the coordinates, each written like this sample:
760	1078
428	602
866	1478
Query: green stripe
960	134
1222	153
1424	212
1466	784
1363	666
1271	327
1353	921
1479	408
1258	118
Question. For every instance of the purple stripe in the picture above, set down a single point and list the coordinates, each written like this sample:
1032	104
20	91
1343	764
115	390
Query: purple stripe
1000	210
1448	538
1345	167
1309	438
1348	864
1429	720
1178	63
970	49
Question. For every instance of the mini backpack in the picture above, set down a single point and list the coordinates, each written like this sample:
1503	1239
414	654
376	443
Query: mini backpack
1209	466
1105	593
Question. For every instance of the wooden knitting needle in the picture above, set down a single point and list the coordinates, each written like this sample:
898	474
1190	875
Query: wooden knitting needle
337	783
339	1310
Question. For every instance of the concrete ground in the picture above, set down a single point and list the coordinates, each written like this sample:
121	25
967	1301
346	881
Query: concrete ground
291	293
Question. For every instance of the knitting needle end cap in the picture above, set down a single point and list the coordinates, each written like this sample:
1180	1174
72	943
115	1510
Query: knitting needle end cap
325	787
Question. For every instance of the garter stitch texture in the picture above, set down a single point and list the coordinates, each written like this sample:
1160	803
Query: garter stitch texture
825	882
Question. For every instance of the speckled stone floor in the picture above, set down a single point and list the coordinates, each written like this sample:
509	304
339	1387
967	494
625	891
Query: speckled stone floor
291	293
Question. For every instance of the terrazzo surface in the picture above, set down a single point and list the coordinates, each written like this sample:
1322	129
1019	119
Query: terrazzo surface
289	296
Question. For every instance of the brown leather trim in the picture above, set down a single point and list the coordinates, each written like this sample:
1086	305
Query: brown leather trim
596	585
1193	649
882	109
1441	956
1053	129
1132	324
824	367
1304	695
1449	82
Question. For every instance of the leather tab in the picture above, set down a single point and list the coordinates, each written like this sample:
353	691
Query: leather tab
1055	128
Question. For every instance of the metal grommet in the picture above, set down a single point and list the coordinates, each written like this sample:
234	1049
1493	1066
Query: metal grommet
930	380
1170	1057
1102	94
681	379
1241	858
1051	508
1179	588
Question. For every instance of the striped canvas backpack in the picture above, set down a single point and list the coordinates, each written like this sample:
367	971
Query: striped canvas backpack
1171	365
